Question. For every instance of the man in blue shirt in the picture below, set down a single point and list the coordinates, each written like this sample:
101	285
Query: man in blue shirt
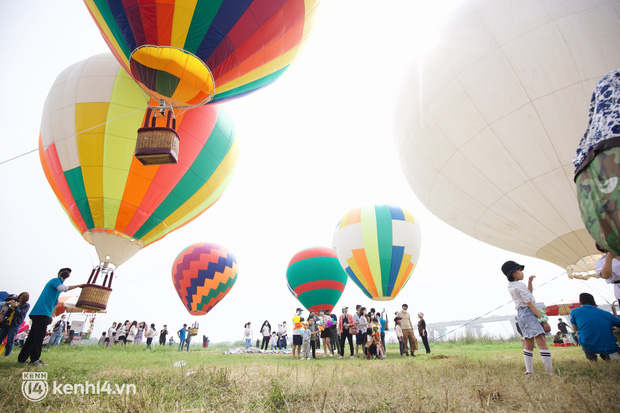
595	329
41	316
182	333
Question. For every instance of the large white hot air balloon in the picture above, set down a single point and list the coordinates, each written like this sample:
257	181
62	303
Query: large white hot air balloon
490	118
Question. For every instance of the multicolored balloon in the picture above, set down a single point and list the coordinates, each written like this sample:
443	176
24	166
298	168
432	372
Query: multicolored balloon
316	278
203	274
191	52
88	135
378	247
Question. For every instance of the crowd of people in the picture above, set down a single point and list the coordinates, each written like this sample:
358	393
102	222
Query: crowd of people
366	327
593	326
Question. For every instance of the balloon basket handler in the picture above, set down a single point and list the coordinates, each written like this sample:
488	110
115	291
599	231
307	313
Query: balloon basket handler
158	145
95	297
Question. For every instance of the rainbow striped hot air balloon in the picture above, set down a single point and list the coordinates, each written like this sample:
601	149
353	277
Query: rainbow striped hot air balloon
86	149
315	277
378	247
191	52
203	274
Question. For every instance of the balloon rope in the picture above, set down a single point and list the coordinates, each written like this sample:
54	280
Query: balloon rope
85	130
489	312
597	292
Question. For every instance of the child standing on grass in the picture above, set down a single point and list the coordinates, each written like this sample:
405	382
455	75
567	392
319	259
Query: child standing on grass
273	341
399	335
306	335
533	323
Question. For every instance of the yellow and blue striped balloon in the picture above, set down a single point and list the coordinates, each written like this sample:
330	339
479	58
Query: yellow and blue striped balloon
378	246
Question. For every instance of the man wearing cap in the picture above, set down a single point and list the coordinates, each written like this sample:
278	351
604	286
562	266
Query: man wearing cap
17	309
405	324
41	316
297	338
345	322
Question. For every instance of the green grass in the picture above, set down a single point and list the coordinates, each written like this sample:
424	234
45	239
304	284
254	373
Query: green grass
475	376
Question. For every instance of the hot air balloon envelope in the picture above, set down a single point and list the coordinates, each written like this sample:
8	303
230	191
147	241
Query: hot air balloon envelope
378	247
316	278
188	53
203	274
86	149
489	119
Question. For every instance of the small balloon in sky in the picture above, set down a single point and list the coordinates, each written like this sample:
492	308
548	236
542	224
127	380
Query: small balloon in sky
378	246
202	275
315	278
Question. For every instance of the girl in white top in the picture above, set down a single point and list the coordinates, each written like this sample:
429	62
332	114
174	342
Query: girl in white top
133	330
532	322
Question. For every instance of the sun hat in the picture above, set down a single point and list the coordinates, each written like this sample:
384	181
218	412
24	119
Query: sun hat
510	266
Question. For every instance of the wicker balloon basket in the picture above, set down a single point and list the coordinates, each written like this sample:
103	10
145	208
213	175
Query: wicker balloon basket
95	297
194	330
157	145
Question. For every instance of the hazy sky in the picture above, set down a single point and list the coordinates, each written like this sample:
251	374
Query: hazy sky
314	144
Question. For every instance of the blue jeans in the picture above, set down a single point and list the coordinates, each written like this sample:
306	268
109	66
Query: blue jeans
248	343
55	339
8	333
181	345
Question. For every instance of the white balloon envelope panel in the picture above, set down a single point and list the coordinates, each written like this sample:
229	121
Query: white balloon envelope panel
378	247
490	117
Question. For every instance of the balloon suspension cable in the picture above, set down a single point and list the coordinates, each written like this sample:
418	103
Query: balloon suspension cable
491	311
75	134
161	111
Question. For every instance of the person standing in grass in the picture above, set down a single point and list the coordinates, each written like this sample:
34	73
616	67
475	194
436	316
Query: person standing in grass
150	333
111	335
182	334
333	332
314	335
41	316
325	334
384	326
532	322
346	328
306	337
405	324
358	335
266	332
297	338
131	332
399	335
162	335
595	329
18	309
58	332
423	333
139	334
248	336
364	324
273	341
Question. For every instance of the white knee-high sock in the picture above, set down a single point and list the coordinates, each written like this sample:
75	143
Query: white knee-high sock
528	356
545	355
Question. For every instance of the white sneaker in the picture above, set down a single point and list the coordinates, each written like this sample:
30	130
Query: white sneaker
331	355
324	355
308	358
303	358
352	357
340	357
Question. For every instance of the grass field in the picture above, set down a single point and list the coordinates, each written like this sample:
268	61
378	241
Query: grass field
468	375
